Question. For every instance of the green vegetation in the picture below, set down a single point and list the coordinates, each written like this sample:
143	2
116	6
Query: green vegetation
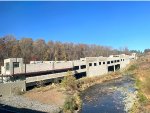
69	82
140	71
132	67
73	101
147	84
142	98
70	105
138	83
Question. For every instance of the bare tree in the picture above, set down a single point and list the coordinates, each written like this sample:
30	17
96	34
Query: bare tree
26	48
40	50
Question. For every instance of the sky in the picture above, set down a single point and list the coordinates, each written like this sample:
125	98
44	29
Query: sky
115	24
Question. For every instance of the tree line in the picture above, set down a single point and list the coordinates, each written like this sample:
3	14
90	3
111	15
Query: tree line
29	50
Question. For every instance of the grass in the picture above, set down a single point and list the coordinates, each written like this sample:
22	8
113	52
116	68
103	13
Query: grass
133	67
70	105
86	82
69	82
147	85
141	71
73	101
142	98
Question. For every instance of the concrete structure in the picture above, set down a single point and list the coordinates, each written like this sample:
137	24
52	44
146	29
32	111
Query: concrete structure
49	71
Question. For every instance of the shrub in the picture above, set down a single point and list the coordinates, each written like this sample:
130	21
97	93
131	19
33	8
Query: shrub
70	105
69	82
142	97
132	67
78	100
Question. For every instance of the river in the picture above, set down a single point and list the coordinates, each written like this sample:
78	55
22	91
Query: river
116	96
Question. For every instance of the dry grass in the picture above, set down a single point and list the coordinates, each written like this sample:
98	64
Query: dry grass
69	82
141	70
86	82
143	74
51	94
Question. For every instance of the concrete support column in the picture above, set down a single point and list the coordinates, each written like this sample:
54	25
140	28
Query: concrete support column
79	67
53	65
2	78
87	68
114	68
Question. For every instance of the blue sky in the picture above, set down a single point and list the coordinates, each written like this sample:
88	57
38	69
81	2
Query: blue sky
116	24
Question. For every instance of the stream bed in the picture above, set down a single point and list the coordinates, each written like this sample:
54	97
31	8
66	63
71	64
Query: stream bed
116	96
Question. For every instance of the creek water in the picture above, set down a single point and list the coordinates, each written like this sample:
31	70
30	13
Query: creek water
109	97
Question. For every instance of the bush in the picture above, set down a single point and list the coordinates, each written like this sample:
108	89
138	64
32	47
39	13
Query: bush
70	105
69	82
142	98
132	67
147	84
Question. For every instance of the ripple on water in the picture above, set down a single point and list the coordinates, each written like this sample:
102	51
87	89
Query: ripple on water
107	97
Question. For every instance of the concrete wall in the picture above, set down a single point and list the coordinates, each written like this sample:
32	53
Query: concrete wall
63	65
43	67
96	70
99	65
11	88
45	77
2	69
18	83
10	62
36	66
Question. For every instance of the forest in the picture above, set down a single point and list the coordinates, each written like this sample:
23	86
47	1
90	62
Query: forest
30	49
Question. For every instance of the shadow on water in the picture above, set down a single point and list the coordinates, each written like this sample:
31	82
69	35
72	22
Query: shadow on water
105	98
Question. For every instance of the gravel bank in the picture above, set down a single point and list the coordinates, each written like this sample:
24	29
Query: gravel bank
23	105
